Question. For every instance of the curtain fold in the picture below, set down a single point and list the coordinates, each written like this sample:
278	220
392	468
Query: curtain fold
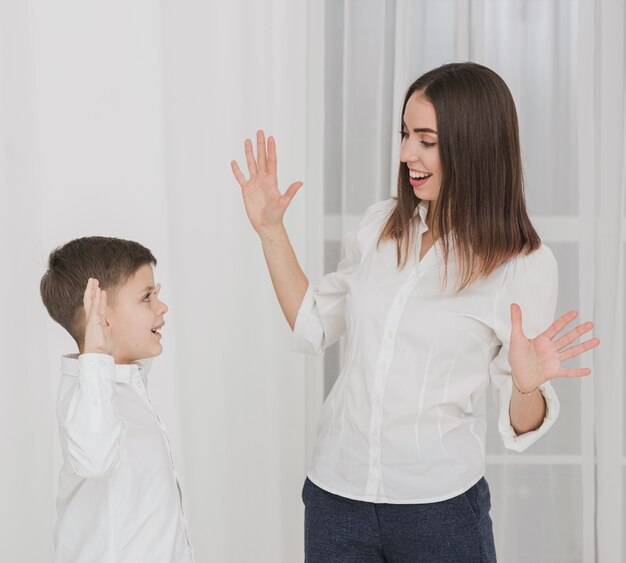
610	228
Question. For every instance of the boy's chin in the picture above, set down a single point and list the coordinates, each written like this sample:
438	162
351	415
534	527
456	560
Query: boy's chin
152	353
146	354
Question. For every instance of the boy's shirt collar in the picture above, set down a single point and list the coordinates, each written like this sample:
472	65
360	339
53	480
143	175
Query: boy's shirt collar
124	373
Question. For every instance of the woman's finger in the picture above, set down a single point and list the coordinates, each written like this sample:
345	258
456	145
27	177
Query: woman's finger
241	179
516	321
271	156
291	192
569	372
572	335
261	155
578	349
558	325
252	168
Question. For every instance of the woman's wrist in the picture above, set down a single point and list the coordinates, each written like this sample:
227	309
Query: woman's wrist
270	232
525	392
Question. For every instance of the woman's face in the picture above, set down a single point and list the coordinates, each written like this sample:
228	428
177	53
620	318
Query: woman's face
419	148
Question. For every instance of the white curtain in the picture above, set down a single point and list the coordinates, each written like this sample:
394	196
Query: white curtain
564	499
120	119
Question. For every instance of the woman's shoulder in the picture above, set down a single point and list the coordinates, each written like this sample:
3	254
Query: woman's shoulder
373	220
538	264
379	211
542	255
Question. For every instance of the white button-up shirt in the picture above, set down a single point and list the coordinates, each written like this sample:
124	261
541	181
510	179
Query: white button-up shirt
400	425
119	499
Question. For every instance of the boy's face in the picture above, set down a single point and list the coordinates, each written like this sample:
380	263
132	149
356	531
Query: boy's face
135	315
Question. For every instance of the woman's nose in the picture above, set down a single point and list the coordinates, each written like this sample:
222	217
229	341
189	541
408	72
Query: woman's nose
407	151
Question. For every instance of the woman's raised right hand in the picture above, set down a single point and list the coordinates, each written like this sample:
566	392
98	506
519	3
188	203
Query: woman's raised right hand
265	205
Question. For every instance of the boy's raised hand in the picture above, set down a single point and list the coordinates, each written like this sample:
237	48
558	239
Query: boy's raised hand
265	205
97	331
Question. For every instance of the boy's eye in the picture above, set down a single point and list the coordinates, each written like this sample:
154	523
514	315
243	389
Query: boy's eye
147	297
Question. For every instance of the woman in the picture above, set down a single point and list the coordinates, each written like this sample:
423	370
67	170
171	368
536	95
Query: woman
429	295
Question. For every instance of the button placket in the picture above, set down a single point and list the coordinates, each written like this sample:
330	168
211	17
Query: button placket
168	446
385	358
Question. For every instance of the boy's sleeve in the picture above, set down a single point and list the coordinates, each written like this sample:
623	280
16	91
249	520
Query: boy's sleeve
89	427
531	282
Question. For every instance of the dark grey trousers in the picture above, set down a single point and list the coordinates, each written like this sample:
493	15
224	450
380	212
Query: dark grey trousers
341	530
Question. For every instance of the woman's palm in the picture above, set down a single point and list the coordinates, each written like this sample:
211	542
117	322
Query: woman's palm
264	203
533	362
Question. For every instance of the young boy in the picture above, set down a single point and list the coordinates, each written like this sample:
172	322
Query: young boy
119	499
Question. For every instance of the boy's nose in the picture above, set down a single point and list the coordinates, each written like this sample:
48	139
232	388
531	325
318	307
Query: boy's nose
163	308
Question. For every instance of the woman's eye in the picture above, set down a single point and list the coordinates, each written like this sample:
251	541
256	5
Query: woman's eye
427	144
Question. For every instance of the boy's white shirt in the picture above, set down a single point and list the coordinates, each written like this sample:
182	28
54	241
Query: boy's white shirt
119	500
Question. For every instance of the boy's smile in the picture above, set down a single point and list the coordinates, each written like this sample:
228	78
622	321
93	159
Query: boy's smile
135	314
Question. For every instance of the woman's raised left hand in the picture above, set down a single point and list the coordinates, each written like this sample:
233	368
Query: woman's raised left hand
533	362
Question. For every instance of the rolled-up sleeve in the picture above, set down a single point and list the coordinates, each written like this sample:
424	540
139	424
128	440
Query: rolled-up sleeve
531	282
321	319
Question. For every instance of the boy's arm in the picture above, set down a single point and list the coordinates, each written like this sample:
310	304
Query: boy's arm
90	429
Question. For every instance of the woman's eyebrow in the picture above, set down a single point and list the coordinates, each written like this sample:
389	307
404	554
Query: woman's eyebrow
421	129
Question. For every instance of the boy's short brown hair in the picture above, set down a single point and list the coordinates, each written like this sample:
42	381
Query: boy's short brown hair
110	260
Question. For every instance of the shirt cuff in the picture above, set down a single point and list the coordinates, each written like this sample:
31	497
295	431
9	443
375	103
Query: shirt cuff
521	442
308	335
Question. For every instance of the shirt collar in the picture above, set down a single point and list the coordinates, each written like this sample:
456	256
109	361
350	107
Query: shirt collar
421	210
124	373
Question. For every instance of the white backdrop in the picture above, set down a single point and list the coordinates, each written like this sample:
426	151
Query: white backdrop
120	119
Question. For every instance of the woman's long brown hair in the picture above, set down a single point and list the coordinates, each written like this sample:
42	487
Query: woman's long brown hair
481	209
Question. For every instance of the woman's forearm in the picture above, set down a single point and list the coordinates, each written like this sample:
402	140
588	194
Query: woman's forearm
288	279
